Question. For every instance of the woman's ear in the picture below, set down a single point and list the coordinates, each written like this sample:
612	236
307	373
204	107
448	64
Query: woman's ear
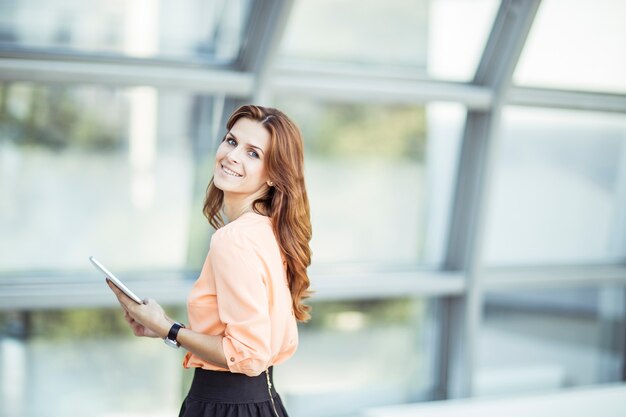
270	183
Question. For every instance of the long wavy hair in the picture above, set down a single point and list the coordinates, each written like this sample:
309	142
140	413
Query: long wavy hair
286	202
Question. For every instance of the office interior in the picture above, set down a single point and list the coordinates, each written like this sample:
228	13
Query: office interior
465	164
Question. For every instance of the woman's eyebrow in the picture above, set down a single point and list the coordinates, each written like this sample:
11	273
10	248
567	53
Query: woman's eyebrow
256	147
249	144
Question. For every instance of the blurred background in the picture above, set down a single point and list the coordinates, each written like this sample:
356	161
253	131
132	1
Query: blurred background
466	167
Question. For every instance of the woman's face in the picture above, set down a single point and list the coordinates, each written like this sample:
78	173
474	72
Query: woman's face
240	159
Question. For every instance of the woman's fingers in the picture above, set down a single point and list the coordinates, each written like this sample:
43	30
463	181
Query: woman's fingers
136	314
124	300
128	318
143	318
121	298
137	329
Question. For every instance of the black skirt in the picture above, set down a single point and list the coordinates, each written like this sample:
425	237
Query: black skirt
226	394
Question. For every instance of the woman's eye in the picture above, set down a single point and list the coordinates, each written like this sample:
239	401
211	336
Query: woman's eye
253	154
231	141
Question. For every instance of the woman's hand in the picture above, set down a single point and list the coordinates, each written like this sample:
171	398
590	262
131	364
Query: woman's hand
147	319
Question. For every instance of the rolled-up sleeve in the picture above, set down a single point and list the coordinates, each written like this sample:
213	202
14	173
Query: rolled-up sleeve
242	302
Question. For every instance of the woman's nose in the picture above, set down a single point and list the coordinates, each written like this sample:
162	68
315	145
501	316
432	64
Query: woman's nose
233	155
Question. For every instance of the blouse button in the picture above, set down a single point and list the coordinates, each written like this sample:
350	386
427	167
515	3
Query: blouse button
232	359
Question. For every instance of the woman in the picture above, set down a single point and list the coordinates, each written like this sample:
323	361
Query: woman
244	306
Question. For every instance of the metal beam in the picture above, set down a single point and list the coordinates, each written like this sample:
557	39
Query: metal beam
571	100
622	332
611	315
266	25
87	289
70	290
495	71
354	87
505	43
54	290
514	279
198	80
358	286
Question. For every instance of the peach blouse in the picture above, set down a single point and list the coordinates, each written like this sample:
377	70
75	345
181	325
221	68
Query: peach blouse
242	294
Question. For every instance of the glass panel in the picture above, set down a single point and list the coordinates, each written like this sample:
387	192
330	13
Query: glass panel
436	38
457	34
379	178
201	29
550	339
84	363
345	360
559	191
590	37
118	184
342	364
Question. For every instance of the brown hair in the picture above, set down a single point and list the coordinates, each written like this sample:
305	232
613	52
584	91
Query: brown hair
286	202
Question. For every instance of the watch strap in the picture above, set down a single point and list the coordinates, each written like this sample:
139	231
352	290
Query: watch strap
173	333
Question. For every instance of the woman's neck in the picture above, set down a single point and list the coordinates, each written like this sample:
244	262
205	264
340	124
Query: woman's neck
234	206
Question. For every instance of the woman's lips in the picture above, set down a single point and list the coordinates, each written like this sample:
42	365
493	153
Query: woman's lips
230	172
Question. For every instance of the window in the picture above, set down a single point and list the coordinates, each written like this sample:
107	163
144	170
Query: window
119	184
379	179
550	339
576	45
559	189
438	39
63	362
347	357
193	30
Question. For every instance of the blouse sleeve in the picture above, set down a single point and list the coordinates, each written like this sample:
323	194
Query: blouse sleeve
242	302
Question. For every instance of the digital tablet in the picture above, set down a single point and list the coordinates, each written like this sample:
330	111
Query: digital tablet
118	283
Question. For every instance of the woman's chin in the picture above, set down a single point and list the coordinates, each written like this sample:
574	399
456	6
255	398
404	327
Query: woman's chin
220	183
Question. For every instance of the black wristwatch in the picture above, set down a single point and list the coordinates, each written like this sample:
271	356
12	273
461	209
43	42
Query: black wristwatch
170	340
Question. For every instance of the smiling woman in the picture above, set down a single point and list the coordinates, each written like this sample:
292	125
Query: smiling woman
276	187
244	306
240	164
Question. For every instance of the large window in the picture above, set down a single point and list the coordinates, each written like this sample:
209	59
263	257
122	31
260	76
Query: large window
202	30
61	362
379	179
343	362
559	189
118	183
110	114
576	45
534	341
438	39
361	353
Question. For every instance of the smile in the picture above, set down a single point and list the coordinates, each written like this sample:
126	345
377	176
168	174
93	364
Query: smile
230	172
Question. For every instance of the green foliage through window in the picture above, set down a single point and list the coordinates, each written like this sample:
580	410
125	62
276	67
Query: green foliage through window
57	116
